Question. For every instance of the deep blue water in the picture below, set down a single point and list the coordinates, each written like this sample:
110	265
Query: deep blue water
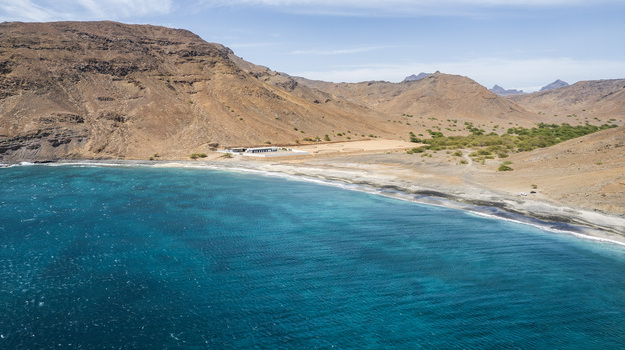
181	258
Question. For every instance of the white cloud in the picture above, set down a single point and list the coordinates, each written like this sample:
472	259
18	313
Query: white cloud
511	74
13	10
41	10
388	3
400	7
338	52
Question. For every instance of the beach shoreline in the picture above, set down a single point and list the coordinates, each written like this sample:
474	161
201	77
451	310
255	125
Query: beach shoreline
587	224
553	217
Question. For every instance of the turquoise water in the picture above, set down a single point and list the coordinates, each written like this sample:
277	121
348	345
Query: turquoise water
98	258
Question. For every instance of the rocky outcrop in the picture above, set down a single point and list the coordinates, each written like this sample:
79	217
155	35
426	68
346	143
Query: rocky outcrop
40	144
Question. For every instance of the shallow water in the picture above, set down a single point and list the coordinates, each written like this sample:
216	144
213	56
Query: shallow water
114	257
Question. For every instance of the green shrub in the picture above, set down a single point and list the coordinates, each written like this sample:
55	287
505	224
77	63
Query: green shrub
503	167
414	138
195	156
517	138
419	149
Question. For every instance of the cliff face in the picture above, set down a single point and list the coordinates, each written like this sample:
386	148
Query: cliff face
84	89
109	90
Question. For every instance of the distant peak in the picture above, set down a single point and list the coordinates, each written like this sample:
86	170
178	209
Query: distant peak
555	85
503	92
417	77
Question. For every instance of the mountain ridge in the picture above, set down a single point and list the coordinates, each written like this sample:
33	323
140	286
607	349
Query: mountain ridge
414	77
504	92
114	90
555	85
437	96
106	89
584	100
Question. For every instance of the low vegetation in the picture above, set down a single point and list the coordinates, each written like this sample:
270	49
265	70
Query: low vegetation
195	156
504	167
516	139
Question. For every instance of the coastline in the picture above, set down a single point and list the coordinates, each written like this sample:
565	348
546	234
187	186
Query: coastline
548	216
583	223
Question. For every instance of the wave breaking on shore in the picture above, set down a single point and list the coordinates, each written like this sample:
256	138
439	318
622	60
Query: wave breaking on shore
430	198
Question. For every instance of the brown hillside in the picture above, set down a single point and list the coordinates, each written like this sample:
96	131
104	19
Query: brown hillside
439	96
111	90
588	171
105	89
583	101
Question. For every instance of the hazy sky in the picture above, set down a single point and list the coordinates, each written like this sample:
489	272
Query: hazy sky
521	44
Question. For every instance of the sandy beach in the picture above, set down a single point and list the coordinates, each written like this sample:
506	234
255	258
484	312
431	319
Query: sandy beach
382	166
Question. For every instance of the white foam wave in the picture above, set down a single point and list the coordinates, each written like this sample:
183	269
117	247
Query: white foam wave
546	226
438	202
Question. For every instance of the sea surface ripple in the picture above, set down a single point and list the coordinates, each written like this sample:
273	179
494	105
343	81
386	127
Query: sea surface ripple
117	257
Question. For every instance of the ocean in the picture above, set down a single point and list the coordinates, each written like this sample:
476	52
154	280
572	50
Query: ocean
115	257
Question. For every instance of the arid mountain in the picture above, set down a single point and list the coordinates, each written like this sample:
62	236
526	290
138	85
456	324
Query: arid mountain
438	97
504	92
417	77
105	89
289	84
111	90
555	85
596	101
